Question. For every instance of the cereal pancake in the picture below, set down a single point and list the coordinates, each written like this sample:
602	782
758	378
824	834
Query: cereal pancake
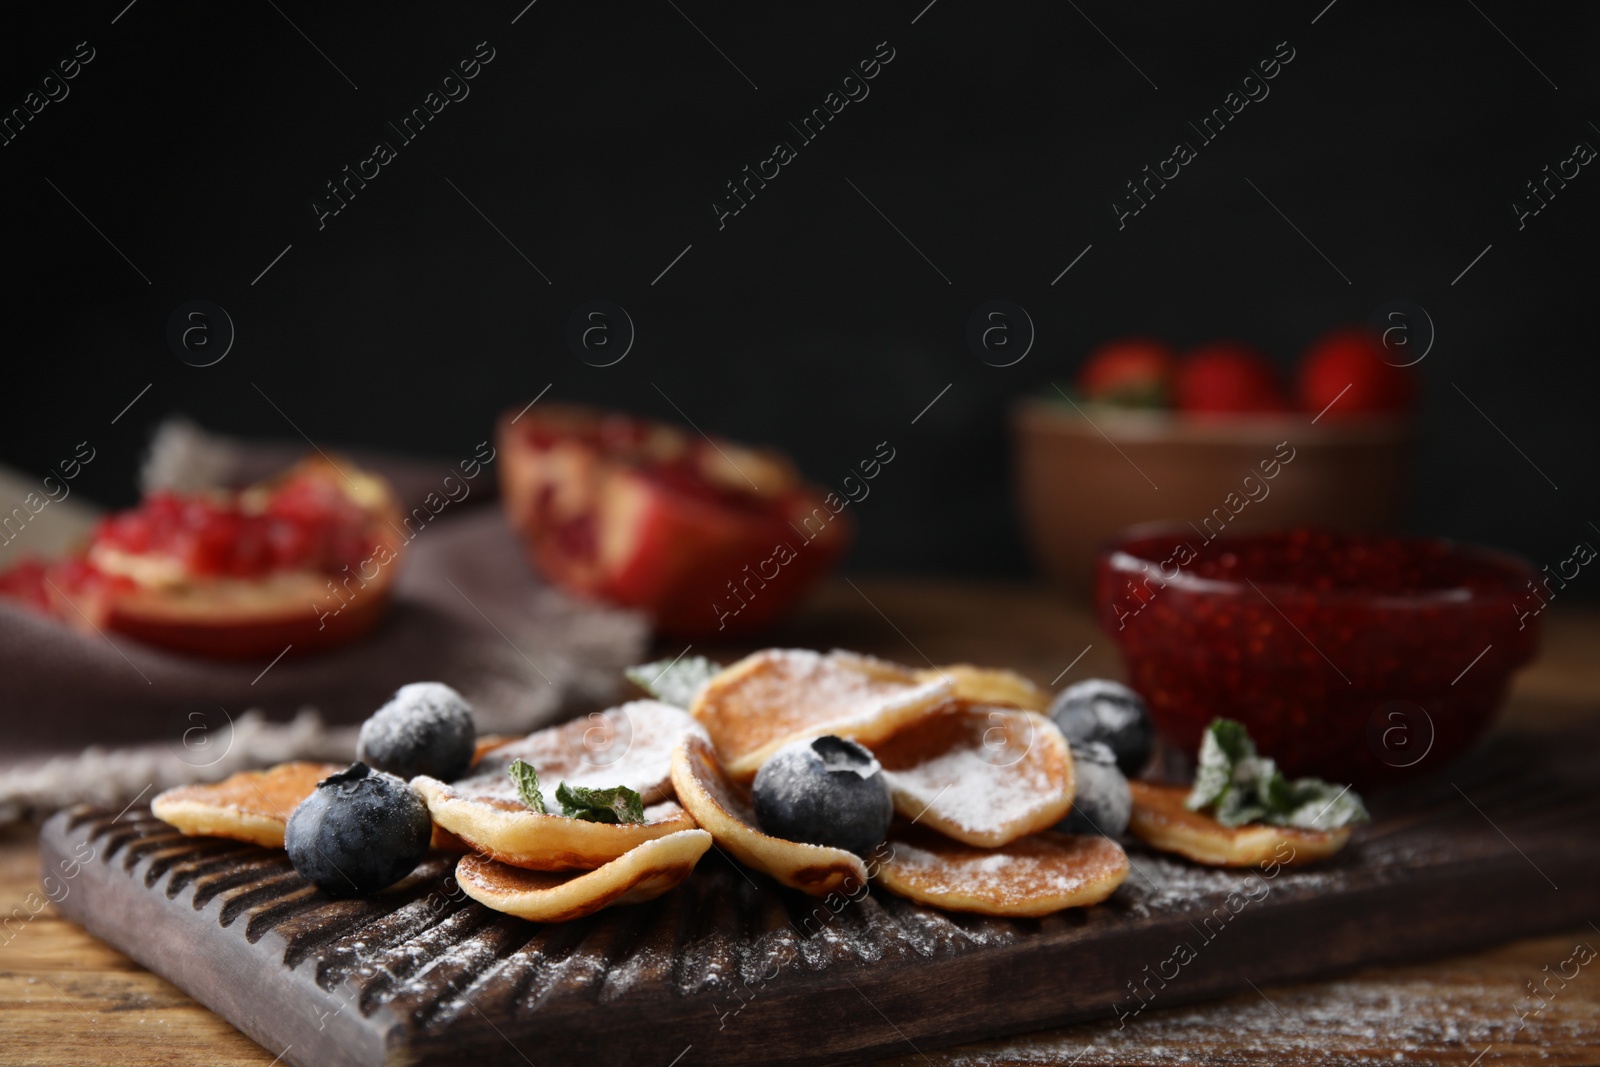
775	696
515	834
982	775
642	873
249	806
628	745
722	808
1161	821
1030	877
985	685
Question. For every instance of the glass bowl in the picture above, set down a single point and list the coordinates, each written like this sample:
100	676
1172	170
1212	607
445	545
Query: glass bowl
1356	658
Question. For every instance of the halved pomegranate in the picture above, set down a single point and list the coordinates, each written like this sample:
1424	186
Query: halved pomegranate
710	538
305	559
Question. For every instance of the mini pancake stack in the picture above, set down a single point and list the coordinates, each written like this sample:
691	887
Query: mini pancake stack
977	775
546	868
549	867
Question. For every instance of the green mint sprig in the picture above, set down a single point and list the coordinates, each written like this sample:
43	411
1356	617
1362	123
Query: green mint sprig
673	682
1240	786
619	804
526	780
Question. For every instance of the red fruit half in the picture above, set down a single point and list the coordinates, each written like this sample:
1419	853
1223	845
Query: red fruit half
1228	378
1132	371
706	536
26	581
1347	362
306	559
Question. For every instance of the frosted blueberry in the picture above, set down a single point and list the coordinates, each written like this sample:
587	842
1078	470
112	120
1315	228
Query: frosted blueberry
1109	712
360	831
426	728
824	791
1102	802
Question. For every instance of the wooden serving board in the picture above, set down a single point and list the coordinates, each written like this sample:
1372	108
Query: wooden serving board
730	969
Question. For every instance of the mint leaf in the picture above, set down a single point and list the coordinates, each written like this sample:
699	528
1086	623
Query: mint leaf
617	804
1320	805
526	780
673	681
1279	794
1236	807
1225	743
1233	739
1240	786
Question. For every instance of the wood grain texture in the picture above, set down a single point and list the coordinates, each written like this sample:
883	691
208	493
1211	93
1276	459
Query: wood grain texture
1456	1012
66	997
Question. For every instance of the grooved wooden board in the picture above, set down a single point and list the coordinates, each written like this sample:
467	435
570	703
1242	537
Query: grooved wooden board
729	969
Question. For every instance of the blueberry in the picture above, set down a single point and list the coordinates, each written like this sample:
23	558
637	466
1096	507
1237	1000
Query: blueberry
426	728
360	831
824	791
1109	712
1102	802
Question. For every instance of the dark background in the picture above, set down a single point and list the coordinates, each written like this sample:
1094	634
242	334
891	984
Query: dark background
995	140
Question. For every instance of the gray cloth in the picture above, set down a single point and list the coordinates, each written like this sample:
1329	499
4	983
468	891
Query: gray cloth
203	752
467	610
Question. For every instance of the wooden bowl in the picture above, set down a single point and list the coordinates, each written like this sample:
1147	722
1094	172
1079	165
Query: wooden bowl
1085	474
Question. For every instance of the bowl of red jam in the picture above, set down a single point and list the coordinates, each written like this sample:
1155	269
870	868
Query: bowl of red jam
1359	658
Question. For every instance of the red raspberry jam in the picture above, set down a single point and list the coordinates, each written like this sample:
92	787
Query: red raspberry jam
1350	657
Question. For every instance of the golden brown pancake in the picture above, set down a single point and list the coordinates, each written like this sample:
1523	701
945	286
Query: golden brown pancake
1029	877
982	685
249	806
642	873
1161	821
629	745
770	698
445	841
722	808
511	832
982	775
485	742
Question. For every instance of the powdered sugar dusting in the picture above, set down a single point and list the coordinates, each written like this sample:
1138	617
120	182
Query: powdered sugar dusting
1027	877
641	965
1405	1015
629	745
987	775
417	721
1003	876
1158	883
784	693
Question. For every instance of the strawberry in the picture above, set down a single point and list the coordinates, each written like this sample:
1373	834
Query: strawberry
709	538
1346	362
1131	371
1227	378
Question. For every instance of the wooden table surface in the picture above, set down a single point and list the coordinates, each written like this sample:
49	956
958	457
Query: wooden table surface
67	998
